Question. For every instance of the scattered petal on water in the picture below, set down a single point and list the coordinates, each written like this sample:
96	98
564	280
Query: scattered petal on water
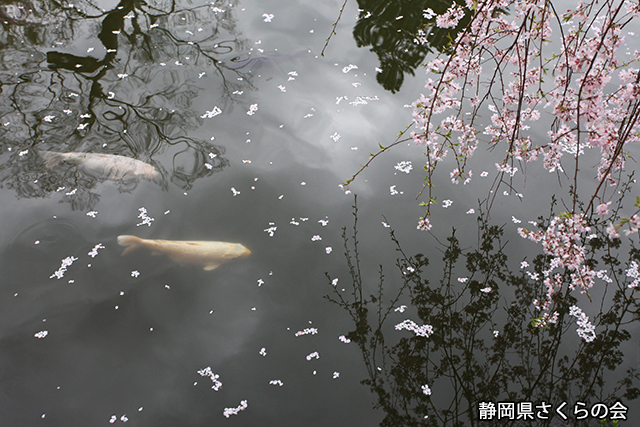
63	267
271	230
214	112
207	372
307	331
422	331
404	166
349	68
252	109
363	100
94	251
234	411
146	219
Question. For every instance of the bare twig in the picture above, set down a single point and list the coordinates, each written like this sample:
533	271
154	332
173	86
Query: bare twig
333	29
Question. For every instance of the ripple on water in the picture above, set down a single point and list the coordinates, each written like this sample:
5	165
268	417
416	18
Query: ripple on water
45	239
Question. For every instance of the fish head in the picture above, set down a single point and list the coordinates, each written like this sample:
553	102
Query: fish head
150	173
240	251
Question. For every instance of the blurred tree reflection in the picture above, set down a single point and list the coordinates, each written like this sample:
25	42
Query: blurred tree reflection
400	33
119	81
483	347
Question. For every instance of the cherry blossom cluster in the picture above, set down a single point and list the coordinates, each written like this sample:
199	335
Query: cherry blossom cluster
507	63
633	273
568	69
563	241
586	330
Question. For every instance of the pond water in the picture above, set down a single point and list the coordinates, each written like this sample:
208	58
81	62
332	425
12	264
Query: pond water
250	132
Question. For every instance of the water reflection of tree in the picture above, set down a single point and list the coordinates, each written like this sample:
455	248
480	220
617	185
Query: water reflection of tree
400	33
463	362
130	93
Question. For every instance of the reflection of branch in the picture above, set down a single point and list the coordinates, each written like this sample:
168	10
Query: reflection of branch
82	114
476	353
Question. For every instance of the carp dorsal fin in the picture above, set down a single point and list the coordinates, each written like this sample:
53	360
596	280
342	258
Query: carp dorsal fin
210	267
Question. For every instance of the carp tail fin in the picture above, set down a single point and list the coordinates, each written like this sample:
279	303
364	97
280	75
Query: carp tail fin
51	159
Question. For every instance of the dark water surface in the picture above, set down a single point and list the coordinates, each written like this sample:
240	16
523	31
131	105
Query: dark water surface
123	338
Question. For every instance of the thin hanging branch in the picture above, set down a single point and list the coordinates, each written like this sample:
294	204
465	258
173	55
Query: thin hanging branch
333	29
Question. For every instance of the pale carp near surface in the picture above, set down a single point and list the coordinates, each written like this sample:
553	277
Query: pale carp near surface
209	254
110	166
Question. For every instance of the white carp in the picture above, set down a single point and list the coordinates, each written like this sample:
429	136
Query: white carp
209	254
110	166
